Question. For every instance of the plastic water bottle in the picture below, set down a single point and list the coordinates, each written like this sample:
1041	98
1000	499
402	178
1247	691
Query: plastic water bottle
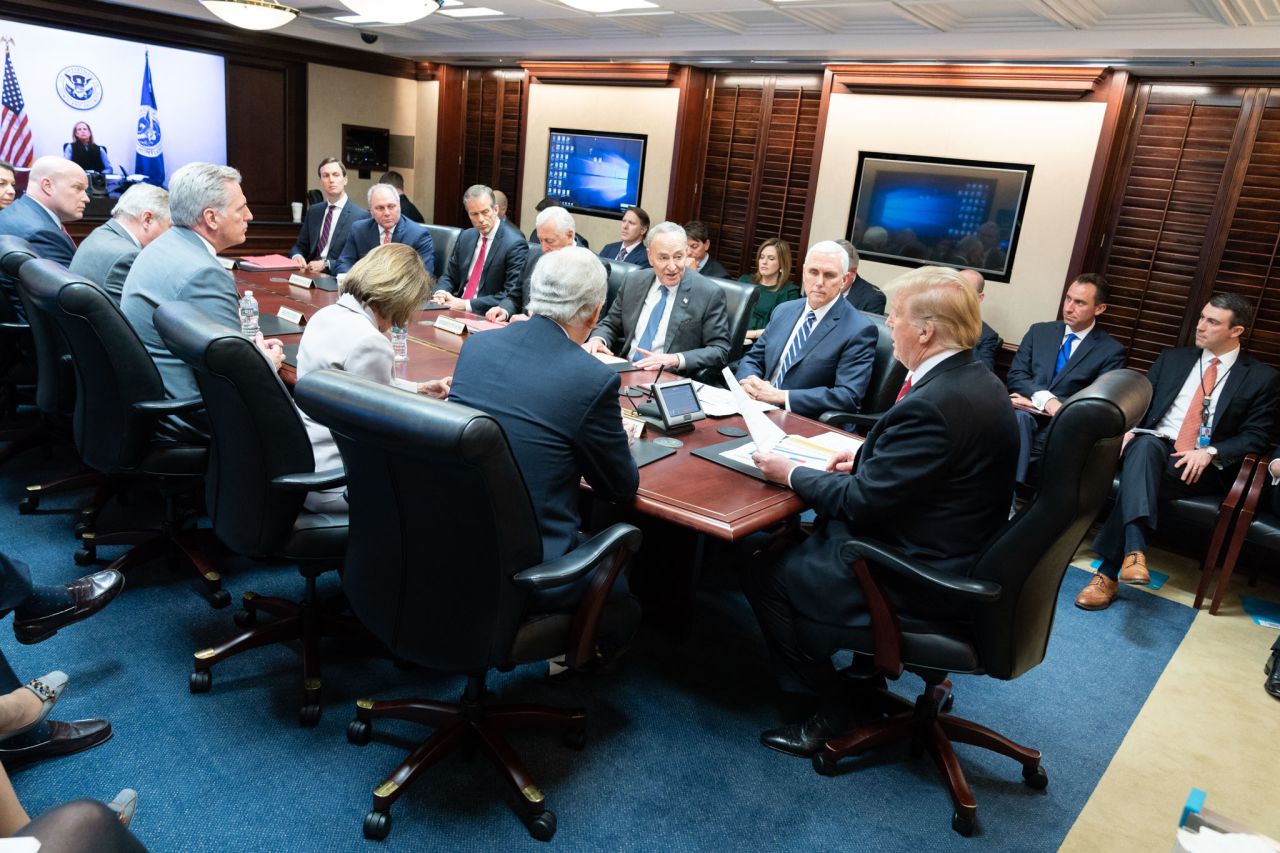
400	343
248	315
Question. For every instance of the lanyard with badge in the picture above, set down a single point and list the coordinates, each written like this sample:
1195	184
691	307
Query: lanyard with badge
1204	437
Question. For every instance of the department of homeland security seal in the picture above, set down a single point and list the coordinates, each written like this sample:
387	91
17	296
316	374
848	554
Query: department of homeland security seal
148	132
79	88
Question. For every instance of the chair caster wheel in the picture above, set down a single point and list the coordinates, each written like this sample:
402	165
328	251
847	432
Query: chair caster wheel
85	555
81	528
824	764
962	824
200	681
309	715
541	826
377	825
245	618
948	703
576	737
219	599
1035	777
29	504
359	732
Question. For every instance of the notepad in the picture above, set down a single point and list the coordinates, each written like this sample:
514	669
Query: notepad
267	262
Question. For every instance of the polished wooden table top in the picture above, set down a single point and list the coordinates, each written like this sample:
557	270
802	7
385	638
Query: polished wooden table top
683	489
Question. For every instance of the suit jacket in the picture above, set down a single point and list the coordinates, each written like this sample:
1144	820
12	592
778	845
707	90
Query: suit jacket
935	475
313	223
988	345
561	419
865	296
25	218
834	367
366	234
503	263
1244	420
1032	368
638	256
177	267
515	301
409	209
106	256
712	268
698	327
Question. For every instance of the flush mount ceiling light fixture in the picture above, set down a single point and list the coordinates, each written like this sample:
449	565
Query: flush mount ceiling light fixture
604	7
393	11
251	14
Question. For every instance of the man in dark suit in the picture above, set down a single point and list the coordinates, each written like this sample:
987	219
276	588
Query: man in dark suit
667	317
57	192
699	257
326	226
815	355
1057	359
485	266
408	209
556	229
561	417
989	342
933	480
631	248
861	294
1211	405
106	255
386	225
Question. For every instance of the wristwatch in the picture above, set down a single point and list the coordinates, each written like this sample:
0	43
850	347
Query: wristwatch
1212	451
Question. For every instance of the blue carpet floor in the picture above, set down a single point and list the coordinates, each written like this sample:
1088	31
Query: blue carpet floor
671	762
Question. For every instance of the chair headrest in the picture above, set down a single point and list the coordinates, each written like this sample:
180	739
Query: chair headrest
1127	389
14	252
189	332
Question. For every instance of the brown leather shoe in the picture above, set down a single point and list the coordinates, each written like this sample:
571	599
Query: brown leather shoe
88	595
1099	594
64	739
1134	569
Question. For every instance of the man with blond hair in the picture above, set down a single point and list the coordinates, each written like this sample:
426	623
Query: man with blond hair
932	481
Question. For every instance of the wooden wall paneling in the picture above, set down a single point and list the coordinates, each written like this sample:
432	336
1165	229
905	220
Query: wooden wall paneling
492	136
731	156
684	194
266	123
1120	94
450	135
820	135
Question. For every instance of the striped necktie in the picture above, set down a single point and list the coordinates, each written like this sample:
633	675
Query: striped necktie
797	346
324	233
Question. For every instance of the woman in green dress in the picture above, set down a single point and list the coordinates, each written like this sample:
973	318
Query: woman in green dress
773	269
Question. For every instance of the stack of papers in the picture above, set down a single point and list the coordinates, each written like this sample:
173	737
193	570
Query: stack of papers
267	262
720	402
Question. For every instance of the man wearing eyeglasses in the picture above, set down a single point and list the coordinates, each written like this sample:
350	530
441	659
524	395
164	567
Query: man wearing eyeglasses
1211	405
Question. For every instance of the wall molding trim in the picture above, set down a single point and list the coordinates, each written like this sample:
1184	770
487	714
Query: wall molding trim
1038	82
661	74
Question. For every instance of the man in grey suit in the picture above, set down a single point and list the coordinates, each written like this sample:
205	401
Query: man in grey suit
210	214
106	256
667	317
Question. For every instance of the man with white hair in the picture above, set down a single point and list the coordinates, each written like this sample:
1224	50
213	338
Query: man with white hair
386	226
815	355
556	230
106	256
57	192
210	214
667	317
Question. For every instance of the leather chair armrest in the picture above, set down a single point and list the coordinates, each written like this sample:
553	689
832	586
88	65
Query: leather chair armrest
581	560
14	328
169	407
310	481
1247	466
848	421
945	586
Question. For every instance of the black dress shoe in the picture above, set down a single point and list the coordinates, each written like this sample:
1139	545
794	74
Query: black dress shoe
805	739
1270	666
64	739
89	594
1273	677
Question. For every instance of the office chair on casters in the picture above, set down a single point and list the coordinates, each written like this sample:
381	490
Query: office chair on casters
260	470
453	596
995	621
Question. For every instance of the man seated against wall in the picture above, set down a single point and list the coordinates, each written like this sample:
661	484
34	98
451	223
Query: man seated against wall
57	192
989	342
407	207
668	317
816	353
107	254
699	257
484	269
1211	405
555	226
1056	359
210	214
386	225
327	225
861	293
631	248
500	203
578	239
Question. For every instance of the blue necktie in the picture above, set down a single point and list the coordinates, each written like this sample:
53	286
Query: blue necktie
797	345
1064	354
651	328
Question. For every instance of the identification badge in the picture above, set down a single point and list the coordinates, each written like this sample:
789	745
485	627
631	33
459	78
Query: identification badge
1205	436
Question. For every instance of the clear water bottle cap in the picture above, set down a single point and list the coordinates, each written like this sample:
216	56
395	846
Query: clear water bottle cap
248	293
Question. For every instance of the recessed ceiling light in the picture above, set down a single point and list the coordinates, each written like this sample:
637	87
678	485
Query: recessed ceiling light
469	12
601	7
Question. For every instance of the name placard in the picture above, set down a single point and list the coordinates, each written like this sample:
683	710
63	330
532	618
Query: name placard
291	316
449	324
301	281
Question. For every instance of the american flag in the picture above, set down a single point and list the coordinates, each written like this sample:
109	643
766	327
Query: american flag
15	133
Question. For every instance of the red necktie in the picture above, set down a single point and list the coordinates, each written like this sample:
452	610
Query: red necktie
386	237
1189	432
473	283
324	233
906	386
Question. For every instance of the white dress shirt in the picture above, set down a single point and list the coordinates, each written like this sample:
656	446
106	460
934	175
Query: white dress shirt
819	313
1171	423
923	368
1041	398
333	226
650	302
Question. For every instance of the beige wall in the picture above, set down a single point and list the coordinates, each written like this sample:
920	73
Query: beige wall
424	149
613	108
336	96
1058	139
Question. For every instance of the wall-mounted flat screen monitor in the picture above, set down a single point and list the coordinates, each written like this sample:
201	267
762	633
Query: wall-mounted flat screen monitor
594	172
915	211
365	149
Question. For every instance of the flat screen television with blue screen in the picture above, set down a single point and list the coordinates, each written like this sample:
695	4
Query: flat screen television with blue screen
914	211
593	172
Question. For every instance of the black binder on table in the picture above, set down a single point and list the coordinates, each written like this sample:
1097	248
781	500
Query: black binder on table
270	325
645	452
327	283
712	452
291	355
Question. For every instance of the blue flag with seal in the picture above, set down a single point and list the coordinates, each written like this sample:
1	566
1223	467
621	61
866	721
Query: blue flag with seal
150	160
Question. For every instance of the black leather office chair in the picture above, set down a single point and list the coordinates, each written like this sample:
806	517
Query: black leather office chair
887	376
443	237
995	621
260	470
739	301
453	597
120	400
617	273
17	362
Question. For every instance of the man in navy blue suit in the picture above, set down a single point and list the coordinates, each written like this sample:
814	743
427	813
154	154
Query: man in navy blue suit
483	271
57	192
326	226
631	248
560	411
386	226
1057	359
989	342
815	355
